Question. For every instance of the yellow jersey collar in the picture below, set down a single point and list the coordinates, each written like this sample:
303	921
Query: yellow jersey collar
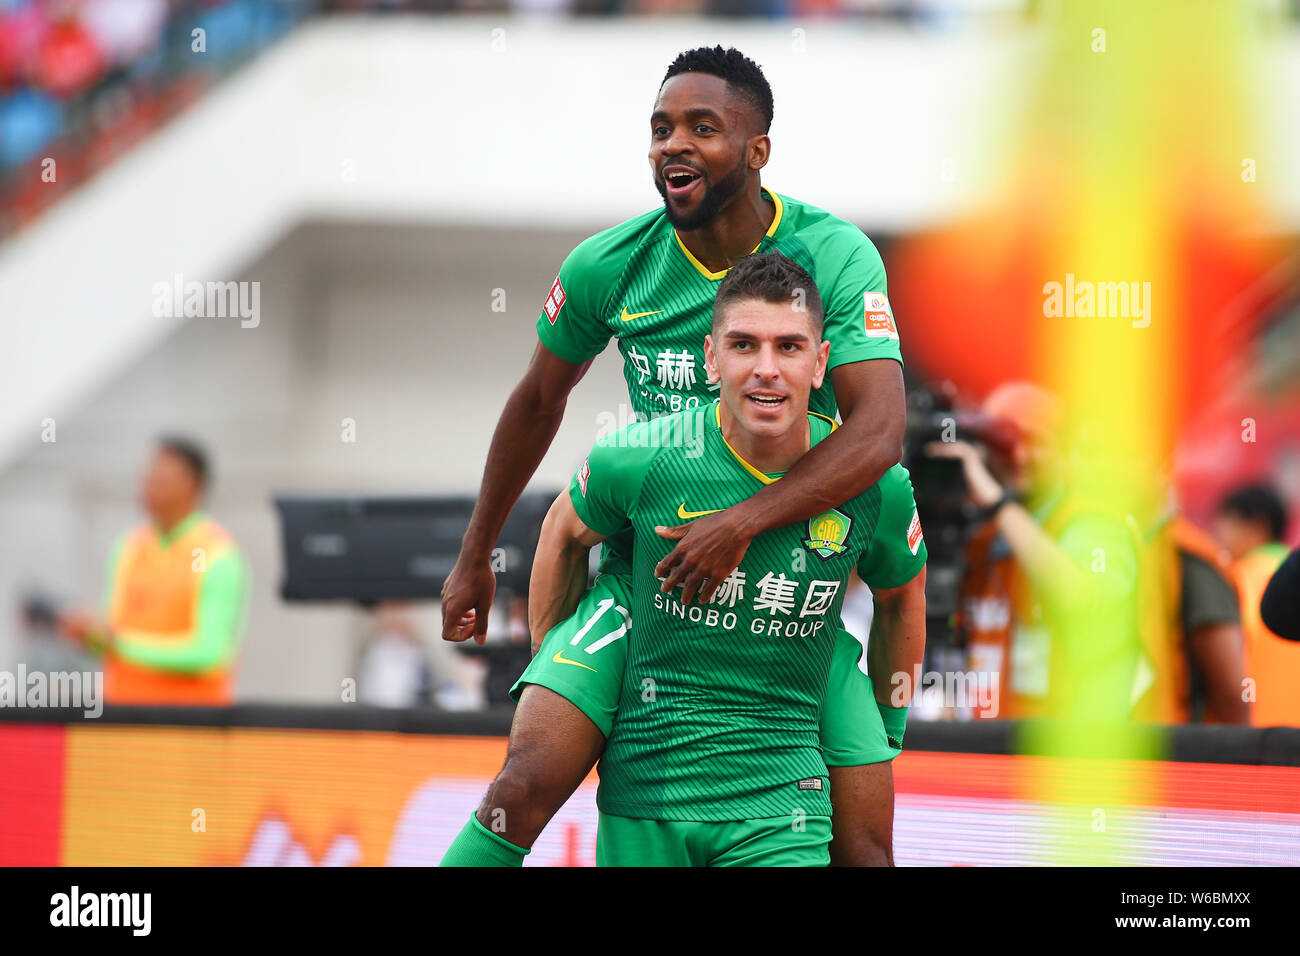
771	230
761	476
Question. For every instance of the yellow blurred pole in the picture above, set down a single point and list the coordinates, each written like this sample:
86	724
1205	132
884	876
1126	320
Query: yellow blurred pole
1137	117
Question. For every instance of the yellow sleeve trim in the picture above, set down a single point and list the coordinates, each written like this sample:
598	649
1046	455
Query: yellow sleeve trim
826	418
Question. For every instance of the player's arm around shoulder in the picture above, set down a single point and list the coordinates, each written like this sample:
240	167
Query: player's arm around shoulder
873	405
865	362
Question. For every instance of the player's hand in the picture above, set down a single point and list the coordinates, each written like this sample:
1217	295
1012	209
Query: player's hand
466	598
708	549
83	627
983	487
75	624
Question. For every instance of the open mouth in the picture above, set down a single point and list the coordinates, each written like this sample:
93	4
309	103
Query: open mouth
680	180
766	401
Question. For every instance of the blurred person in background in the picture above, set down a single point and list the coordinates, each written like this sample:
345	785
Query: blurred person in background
1031	571
175	594
1196	627
1279	608
394	668
1251	522
506	655
1189	664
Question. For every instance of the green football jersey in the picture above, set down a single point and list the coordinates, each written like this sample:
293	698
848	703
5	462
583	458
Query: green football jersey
719	710
638	283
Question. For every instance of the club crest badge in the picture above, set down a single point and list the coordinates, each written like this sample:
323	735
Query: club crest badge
827	533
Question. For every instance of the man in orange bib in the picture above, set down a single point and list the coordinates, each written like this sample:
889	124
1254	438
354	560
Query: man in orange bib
1251	522
175	595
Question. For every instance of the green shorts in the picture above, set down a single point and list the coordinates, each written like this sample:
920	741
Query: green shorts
779	841
582	660
852	733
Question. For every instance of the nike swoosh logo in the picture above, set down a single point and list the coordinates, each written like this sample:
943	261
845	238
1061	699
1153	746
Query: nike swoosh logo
687	515
559	658
636	315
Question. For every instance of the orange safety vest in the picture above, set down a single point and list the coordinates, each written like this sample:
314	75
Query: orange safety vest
1271	662
1167	698
986	613
155	590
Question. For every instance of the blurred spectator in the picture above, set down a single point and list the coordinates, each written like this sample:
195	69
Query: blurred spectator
1194	624
1190	661
126	30
1056	636
506	654
175	594
1279	608
394	669
81	81
1250	523
28	120
1251	519
69	59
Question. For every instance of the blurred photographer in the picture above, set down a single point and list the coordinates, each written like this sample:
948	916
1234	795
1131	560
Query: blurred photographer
1049	597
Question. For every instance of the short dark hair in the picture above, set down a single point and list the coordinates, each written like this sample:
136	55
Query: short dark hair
190	452
743	76
769	277
1257	503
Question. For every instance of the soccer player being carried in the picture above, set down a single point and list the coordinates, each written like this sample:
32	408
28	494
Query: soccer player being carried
714	756
650	283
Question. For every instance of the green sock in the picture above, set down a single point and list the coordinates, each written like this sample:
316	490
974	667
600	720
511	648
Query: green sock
476	845
895	721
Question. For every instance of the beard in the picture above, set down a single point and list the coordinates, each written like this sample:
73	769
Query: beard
714	199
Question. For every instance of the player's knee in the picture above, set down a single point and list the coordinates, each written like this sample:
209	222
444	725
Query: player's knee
524	792
514	809
509	792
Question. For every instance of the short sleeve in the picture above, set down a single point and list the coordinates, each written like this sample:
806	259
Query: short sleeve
1207	597
859	321
897	550
604	490
572	323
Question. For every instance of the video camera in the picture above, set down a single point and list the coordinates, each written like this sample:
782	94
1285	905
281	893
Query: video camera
942	499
